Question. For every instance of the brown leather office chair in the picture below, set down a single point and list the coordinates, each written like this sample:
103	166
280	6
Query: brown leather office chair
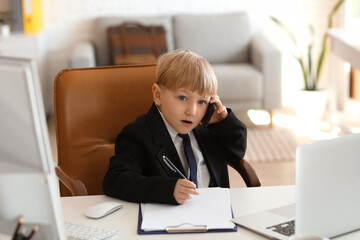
91	107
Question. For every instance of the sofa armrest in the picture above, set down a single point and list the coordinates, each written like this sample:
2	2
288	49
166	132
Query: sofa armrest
83	55
267	59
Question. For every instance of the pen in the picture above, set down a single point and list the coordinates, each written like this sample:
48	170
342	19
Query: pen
172	167
20	221
35	229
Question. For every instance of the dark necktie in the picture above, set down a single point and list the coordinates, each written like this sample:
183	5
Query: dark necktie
190	157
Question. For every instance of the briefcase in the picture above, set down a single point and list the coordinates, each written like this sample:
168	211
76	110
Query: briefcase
134	43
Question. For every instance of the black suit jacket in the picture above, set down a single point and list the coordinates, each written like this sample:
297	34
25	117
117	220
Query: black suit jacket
137	172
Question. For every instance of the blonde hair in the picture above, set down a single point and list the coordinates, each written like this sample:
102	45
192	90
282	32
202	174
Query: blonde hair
183	68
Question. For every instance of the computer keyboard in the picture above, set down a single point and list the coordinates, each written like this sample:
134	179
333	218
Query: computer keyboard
86	232
286	228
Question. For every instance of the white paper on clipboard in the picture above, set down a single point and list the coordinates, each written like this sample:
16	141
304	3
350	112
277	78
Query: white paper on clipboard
211	208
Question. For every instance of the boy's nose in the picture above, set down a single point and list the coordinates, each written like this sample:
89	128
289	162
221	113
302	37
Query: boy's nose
191	110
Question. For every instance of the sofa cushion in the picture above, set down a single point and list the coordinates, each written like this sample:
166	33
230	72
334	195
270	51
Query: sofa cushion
246	79
102	23
220	38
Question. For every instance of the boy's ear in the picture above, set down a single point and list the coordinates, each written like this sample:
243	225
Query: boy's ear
156	90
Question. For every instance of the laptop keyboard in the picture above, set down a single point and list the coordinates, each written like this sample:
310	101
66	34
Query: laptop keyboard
286	228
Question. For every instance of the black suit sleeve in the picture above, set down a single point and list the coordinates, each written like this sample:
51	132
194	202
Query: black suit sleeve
134	173
232	135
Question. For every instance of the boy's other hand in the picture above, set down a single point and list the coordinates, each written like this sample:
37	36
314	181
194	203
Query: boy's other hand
183	190
220	112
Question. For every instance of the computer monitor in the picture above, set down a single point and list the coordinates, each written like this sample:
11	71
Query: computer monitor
28	184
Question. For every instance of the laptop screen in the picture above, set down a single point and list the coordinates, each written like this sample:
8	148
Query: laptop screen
328	186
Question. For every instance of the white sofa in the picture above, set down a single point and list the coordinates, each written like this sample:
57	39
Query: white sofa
247	65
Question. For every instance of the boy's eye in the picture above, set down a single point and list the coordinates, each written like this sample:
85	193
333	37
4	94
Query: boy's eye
182	98
202	102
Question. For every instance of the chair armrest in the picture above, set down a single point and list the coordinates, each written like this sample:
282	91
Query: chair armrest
83	55
75	186
267	59
247	172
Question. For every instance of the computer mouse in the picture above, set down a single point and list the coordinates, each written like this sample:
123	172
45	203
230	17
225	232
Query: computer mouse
102	209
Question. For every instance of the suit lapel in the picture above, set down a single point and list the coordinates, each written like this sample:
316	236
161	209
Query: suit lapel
161	137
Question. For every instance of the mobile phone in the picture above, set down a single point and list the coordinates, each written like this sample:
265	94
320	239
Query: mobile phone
209	112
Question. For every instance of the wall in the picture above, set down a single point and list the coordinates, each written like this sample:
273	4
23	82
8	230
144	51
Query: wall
67	22
4	5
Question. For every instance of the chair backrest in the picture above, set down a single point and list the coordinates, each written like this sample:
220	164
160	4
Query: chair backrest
91	107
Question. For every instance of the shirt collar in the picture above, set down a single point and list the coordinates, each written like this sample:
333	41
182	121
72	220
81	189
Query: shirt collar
173	133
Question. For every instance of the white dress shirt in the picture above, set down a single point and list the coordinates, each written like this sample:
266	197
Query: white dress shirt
203	176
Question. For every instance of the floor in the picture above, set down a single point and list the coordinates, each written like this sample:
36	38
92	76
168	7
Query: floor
271	174
306	130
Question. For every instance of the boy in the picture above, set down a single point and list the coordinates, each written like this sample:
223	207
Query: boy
185	86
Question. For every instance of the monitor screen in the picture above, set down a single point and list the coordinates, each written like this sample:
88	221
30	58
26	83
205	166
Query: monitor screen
28	185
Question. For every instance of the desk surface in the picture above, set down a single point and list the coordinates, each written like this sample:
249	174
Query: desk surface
244	201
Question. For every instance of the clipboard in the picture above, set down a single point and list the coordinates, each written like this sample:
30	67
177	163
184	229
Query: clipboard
182	228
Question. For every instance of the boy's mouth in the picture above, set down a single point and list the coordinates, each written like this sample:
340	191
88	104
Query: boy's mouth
186	122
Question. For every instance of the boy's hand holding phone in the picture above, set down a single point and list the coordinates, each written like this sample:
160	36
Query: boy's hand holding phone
216	112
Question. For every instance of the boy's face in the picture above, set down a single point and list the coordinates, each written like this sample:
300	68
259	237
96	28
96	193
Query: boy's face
183	109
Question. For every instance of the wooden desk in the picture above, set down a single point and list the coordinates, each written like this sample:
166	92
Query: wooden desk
346	44
244	201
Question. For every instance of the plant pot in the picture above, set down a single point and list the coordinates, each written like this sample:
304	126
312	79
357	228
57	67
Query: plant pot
311	104
4	30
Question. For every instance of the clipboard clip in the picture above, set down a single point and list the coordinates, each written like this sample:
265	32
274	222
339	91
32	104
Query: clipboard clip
186	228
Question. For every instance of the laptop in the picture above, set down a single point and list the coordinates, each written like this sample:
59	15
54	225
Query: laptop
327	193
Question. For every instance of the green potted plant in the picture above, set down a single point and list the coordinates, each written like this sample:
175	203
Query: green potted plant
311	70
